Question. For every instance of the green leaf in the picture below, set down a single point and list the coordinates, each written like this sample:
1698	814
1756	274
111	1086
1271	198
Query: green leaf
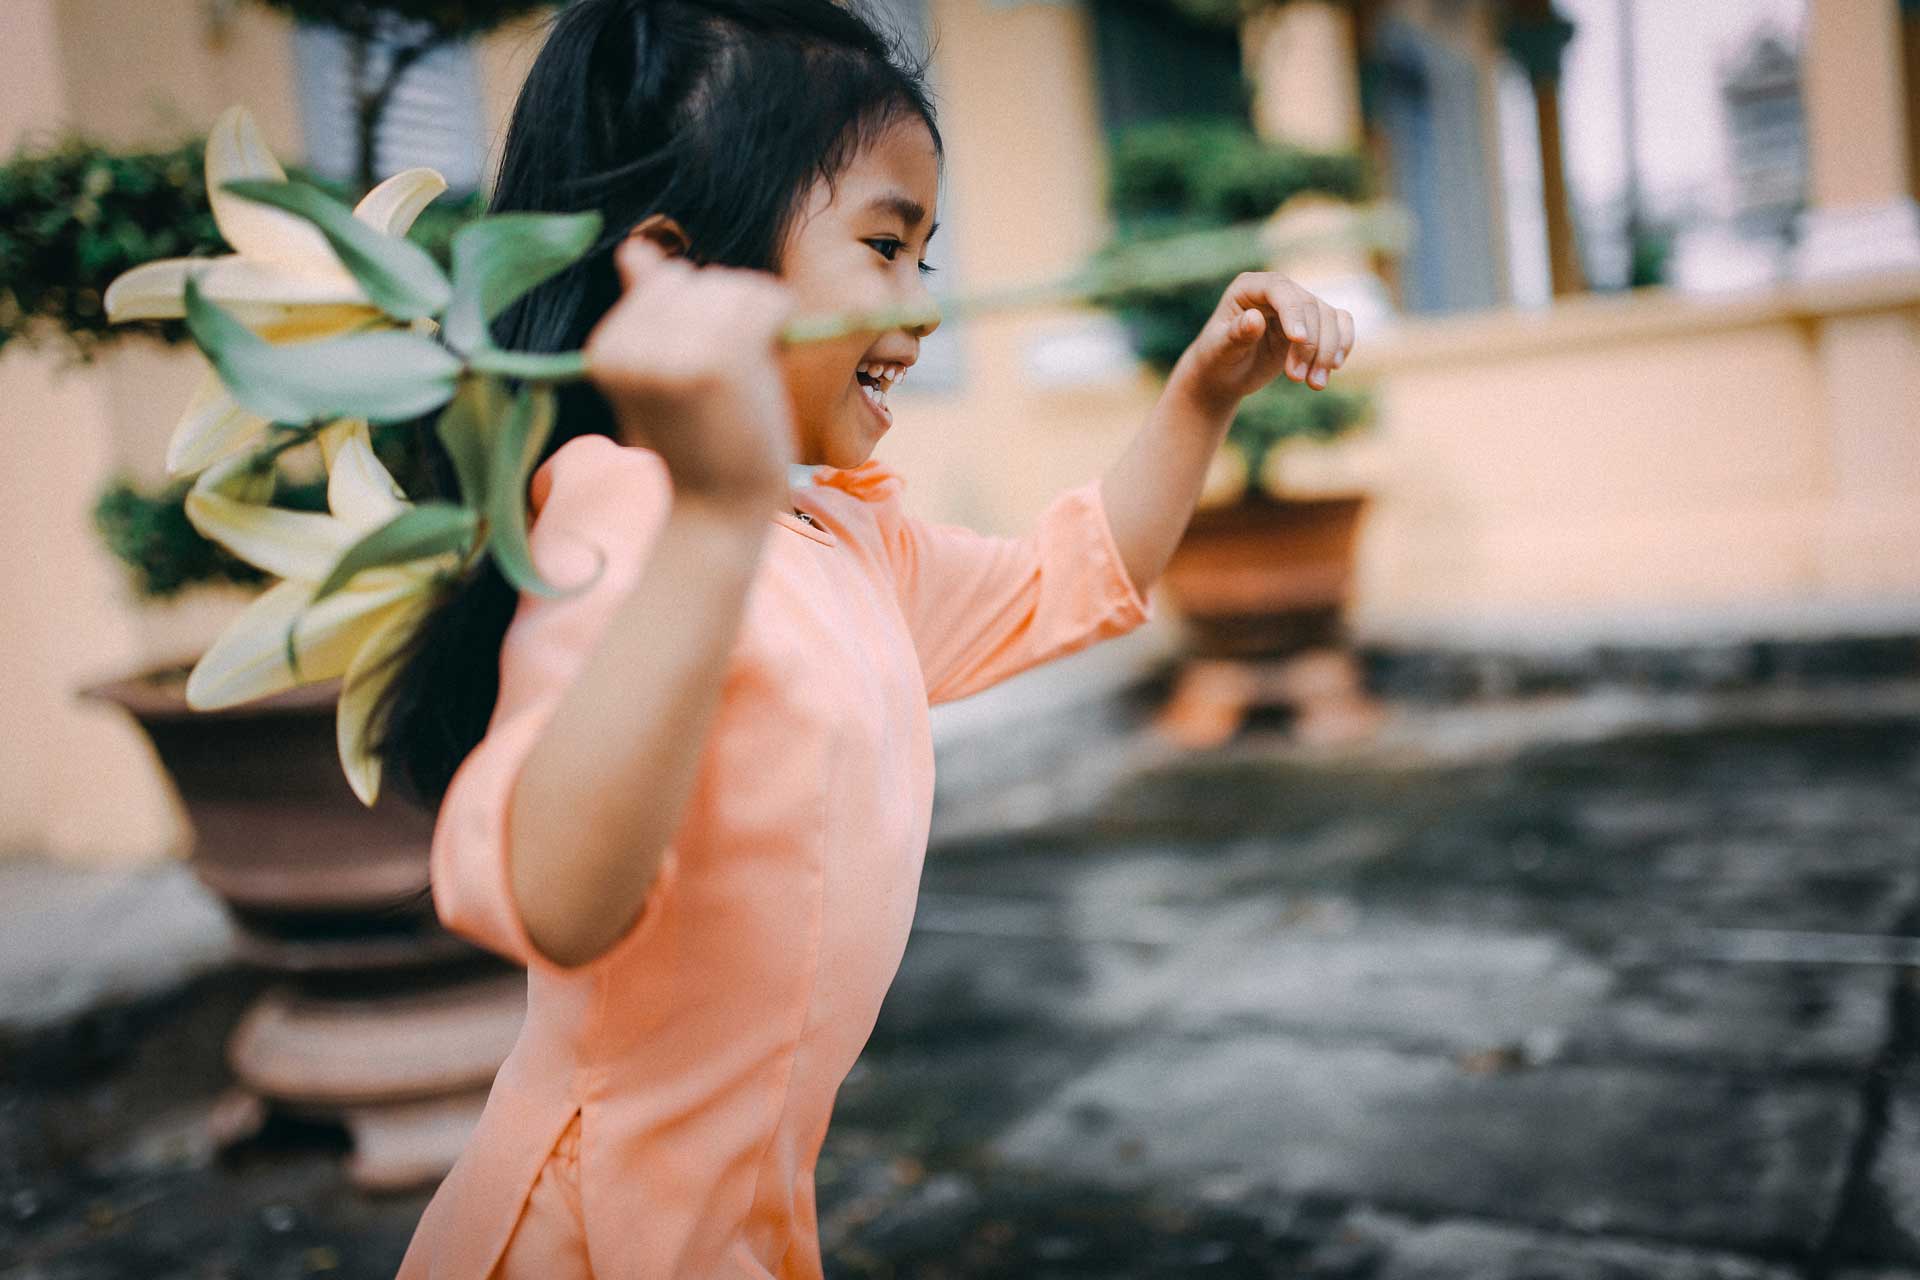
383	377
428	529
516	445
466	432
399	276
532	366
498	258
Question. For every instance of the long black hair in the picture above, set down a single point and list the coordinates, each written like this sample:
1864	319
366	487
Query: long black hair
721	114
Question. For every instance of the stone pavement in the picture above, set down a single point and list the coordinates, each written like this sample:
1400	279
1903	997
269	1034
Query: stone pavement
1442	1007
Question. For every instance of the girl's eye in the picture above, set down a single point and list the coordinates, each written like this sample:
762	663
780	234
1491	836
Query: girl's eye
892	248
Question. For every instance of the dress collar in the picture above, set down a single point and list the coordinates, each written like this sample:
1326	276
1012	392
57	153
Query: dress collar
801	476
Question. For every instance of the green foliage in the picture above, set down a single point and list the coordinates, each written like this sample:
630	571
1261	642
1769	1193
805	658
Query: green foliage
448	19
385	376
399	276
498	259
1652	249
433	230
149	532
1224	13
1182	176
423	530
1207	172
1285	411
74	216
400	375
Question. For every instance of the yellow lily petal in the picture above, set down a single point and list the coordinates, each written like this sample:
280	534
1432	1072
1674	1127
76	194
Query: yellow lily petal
249	660
235	150
285	543
304	322
359	490
151	291
372	670
258	293
394	204
234	479
213	426
335	434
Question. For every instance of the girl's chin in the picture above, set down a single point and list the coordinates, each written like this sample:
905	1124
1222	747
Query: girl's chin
872	417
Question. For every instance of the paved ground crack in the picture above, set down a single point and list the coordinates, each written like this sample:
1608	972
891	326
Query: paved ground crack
1854	1207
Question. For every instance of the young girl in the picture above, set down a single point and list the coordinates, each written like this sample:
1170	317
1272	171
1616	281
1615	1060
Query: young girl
693	798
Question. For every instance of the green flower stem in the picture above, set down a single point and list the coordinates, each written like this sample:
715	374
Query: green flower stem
1191	258
1167	263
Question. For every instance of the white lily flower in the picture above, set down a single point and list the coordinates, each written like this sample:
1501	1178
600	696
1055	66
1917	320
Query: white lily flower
352	632
283	279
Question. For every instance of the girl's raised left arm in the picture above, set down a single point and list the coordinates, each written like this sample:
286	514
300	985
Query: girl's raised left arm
1265	326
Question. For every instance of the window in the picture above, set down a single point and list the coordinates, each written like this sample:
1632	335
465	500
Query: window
1155	64
434	117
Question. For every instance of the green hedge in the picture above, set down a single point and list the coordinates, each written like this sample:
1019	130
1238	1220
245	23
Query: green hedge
148	530
76	214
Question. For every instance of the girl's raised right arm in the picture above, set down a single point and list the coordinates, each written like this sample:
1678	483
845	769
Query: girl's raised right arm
686	358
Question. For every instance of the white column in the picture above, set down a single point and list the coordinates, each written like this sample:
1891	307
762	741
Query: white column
1301	59
1862	216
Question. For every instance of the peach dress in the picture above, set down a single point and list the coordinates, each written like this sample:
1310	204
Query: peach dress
685	1076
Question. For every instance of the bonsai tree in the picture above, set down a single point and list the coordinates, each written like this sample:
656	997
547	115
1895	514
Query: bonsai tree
77	214
74	215
322	321
1185	176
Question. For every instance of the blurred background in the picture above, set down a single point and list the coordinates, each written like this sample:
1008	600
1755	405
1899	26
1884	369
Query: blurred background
1500	856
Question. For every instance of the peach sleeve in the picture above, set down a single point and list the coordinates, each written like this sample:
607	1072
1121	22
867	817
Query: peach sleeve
613	498
983	607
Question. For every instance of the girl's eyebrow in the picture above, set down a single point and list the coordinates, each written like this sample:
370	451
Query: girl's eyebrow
907	209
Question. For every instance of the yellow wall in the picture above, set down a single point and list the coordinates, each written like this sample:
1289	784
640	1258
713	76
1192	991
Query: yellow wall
1641	467
78	781
1628	467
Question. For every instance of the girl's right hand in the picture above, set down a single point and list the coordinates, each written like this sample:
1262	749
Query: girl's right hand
686	358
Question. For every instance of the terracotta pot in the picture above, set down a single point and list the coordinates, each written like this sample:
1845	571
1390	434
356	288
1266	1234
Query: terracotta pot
1264	577
387	1024
278	833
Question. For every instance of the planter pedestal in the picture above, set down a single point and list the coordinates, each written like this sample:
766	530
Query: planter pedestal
1324	689
383	1022
1262	586
405	1073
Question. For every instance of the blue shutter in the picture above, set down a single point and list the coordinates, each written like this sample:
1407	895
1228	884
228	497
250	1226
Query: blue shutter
434	117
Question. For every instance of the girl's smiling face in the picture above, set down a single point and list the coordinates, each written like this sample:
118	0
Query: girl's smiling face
859	245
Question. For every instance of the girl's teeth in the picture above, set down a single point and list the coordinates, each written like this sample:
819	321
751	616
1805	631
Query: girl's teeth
886	374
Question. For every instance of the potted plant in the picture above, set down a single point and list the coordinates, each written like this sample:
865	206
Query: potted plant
259	779
1261	572
73	218
324	322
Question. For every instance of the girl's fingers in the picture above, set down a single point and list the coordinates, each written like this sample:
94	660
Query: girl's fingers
634	257
1300	356
1323	357
1346	337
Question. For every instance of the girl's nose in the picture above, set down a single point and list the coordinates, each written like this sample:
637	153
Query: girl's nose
923	296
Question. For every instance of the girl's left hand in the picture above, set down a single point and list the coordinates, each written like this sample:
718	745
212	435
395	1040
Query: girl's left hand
1265	326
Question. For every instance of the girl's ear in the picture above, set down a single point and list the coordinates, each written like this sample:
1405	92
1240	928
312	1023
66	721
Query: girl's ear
663	231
